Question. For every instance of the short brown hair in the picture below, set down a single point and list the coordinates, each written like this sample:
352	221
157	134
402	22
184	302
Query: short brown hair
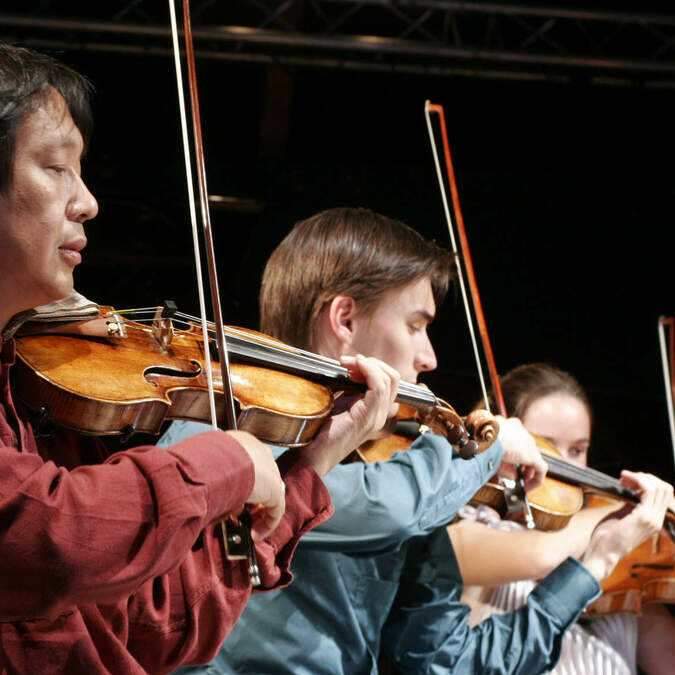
525	384
343	251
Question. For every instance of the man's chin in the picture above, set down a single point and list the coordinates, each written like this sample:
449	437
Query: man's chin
56	291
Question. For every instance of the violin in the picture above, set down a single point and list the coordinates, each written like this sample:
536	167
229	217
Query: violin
552	504
118	375
563	493
645	575
566	489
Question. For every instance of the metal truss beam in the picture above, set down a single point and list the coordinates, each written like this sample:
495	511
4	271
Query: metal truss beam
431	37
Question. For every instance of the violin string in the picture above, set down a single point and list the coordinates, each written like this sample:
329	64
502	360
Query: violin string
268	350
589	477
136	310
572	470
264	339
410	390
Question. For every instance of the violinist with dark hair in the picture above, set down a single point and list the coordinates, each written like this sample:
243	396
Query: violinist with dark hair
381	574
113	565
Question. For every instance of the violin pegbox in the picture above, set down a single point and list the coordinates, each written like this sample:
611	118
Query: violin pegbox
455	430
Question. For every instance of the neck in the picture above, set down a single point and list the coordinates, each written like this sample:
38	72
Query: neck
327	344
12	302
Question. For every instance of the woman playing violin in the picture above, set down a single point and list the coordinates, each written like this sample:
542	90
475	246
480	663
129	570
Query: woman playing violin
113	565
381	573
554	406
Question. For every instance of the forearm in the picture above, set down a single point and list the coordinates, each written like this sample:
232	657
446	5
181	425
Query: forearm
379	505
488	556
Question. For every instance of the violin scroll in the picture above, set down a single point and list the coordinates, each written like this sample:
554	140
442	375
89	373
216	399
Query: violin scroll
482	425
441	419
470	436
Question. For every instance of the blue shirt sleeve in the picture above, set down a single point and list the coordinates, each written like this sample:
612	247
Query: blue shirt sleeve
427	630
380	505
179	430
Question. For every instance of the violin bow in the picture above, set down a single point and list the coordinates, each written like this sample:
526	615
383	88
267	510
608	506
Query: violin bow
667	324
234	533
434	108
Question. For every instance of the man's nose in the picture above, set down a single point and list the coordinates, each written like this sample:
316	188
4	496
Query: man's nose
83	206
426	357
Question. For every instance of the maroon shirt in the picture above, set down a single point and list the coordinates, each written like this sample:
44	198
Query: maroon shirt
113	565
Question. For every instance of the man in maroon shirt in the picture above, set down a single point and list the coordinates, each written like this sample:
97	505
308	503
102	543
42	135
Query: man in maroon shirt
113	565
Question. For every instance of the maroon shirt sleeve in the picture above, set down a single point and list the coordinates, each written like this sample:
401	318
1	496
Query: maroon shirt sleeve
97	533
184	617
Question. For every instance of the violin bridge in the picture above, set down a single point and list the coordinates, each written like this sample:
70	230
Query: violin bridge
162	326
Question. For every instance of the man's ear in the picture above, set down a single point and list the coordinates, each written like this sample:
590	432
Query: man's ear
341	313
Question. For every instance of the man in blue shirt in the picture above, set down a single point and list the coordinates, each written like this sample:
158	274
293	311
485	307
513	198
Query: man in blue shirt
381	573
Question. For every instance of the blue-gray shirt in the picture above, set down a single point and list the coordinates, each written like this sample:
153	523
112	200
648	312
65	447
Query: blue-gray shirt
382	569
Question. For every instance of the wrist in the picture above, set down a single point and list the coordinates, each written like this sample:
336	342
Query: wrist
319	458
600	563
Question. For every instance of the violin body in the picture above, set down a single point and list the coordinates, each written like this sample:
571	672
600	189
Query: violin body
111	375
95	378
552	504
646	574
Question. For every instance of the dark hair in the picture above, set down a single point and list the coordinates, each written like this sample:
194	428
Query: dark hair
343	251
25	80
525	384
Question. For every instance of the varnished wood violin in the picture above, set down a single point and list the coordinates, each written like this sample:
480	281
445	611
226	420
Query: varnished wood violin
127	372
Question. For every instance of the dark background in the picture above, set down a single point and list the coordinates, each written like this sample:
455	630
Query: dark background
567	193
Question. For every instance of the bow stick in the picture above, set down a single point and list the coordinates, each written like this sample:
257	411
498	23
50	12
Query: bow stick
430	108
235	534
668	365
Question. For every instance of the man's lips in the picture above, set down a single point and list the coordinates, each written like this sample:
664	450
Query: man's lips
70	251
